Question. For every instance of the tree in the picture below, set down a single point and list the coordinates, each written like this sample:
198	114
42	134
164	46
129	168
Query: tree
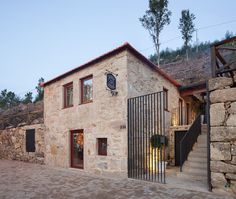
28	98
154	21
8	99
186	26
229	34
40	90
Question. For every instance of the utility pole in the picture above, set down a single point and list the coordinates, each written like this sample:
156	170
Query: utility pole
196	40
158	58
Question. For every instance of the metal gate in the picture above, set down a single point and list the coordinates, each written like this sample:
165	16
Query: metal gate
145	123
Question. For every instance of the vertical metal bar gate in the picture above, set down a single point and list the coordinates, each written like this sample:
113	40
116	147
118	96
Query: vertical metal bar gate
145	119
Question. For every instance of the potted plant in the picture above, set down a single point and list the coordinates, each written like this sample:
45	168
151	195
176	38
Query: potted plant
158	143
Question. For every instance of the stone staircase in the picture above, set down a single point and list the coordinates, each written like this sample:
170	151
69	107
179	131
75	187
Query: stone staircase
195	167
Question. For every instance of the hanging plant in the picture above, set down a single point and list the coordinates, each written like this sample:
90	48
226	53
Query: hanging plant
159	141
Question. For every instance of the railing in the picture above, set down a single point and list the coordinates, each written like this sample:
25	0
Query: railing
220	64
189	139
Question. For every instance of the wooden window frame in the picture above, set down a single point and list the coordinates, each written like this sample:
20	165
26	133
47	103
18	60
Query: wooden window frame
82	89
188	113
100	151
181	114
165	92
65	87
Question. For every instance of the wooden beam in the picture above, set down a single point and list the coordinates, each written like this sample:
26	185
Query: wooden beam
224	41
226	48
213	61
225	70
222	60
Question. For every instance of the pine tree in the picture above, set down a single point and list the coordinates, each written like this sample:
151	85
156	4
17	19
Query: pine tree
156	17
28	98
40	90
186	26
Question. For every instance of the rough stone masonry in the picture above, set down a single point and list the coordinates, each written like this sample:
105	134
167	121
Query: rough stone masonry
13	144
223	135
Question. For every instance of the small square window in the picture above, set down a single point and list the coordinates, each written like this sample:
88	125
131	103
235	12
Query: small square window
102	146
87	89
68	95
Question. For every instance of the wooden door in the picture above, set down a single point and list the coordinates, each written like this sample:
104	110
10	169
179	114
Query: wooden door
178	137
77	149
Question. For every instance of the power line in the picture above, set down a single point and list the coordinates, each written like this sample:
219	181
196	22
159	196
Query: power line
196	30
219	24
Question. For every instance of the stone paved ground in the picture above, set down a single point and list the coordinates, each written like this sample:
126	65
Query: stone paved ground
25	180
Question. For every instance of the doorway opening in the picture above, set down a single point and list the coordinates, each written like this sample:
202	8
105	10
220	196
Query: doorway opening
77	149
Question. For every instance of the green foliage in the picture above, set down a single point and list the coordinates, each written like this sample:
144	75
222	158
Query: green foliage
8	99
159	141
168	55
154	20
28	98
186	26
40	91
229	34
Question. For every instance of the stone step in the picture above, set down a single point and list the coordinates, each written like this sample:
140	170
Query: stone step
197	165
198	159
201	142
195	171
200	145
202	138
204	129
192	177
197	154
200	149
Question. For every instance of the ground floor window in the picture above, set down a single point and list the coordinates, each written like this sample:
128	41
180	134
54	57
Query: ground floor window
102	146
30	140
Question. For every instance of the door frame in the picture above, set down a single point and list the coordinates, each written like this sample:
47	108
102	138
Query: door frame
177	146
72	146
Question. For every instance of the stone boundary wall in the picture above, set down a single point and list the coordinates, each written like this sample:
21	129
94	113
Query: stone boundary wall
13	144
223	135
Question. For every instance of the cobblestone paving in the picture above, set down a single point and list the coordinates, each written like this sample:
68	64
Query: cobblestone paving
25	180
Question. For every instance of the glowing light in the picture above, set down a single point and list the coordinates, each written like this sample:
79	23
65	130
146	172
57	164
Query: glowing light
174	119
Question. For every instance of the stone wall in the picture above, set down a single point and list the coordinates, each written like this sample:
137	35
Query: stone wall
223	135
144	80
13	144
105	117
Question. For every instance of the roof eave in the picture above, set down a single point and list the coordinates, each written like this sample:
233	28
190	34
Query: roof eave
125	46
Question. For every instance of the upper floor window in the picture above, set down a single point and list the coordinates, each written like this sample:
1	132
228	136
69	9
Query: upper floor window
68	95
165	91
87	89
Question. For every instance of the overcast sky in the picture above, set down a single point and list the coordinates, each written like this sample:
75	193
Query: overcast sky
44	38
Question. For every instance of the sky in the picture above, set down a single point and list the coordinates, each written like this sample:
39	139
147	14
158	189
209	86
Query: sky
49	37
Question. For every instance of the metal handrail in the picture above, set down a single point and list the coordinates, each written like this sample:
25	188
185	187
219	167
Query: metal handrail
189	139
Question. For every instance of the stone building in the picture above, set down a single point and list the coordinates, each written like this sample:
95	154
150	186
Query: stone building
86	121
